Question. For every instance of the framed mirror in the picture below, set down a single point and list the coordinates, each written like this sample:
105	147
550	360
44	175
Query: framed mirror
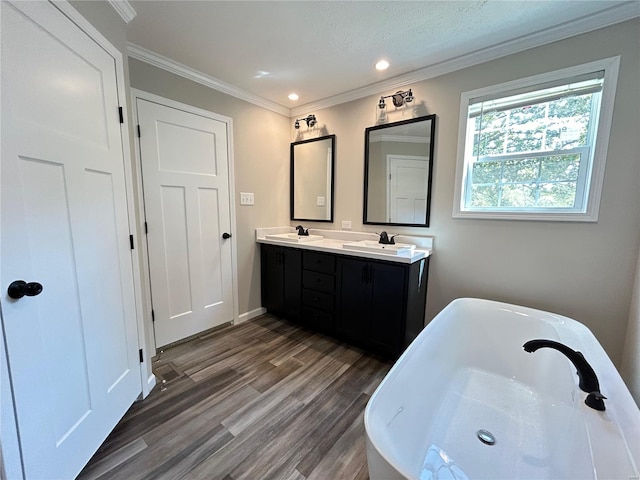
312	179
398	164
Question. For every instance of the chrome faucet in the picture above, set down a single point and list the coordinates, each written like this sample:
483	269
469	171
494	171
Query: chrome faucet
588	379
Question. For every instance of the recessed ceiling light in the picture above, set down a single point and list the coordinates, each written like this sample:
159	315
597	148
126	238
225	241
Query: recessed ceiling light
293	96
382	65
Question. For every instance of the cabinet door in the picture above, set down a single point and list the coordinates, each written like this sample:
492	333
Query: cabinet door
387	287
272	279
354	299
292	291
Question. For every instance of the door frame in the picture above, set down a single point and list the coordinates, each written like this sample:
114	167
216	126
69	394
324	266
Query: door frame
11	458
144	251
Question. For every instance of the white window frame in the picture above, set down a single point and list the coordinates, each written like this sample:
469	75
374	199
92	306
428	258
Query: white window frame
588	211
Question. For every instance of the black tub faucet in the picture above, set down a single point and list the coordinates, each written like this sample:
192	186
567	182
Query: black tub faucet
385	240
588	379
302	232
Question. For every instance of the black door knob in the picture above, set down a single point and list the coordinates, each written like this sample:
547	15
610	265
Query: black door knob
20	288
226	235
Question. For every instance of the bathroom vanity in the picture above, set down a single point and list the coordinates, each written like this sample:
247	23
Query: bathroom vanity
373	297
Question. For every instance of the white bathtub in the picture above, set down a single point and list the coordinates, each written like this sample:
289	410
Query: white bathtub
467	371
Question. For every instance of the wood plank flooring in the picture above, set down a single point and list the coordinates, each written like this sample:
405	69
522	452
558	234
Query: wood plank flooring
262	400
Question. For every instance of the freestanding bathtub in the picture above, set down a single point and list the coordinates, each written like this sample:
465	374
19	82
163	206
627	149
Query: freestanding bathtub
467	372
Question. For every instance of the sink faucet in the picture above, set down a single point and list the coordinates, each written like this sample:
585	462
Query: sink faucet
588	379
385	240
302	232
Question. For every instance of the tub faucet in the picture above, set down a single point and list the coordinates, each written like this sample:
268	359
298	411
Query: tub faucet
302	232
588	379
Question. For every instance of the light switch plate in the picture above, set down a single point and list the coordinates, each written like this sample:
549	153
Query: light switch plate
246	198
346	224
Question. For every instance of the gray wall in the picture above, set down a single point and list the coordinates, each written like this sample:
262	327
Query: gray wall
581	270
630	368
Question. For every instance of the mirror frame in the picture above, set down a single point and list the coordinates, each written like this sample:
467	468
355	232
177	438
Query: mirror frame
432	132
333	173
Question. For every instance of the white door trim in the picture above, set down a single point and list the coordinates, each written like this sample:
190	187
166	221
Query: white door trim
11	464
135	94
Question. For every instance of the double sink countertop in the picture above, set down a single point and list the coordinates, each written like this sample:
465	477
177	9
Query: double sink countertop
355	244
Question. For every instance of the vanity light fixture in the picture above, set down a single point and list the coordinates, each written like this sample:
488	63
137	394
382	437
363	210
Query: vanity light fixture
399	98
310	119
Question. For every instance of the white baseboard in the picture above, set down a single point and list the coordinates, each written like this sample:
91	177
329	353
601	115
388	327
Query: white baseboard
252	314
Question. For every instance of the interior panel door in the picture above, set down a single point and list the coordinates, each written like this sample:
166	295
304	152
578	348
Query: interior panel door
185	174
72	349
408	178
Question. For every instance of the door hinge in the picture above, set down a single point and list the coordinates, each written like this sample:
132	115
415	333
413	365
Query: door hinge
141	356
138	131
153	316
121	113
131	241
146	228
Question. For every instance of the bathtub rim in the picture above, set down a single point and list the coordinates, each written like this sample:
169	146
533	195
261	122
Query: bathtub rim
576	331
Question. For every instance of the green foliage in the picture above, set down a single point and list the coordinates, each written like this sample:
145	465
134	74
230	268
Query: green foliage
535	181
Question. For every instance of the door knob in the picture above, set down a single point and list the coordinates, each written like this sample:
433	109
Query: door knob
226	235
20	288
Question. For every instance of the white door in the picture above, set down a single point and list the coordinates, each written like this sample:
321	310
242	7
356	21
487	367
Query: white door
185	173
407	188
72	349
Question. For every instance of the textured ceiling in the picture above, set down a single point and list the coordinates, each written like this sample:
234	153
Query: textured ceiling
320	49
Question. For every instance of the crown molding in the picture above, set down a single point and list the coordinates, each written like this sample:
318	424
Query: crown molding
157	60
617	14
124	9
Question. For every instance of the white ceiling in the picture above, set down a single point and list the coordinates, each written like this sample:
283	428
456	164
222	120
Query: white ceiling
326	50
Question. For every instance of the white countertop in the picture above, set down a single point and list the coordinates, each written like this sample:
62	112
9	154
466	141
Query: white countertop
334	240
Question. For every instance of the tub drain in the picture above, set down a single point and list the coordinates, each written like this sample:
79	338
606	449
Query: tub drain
486	437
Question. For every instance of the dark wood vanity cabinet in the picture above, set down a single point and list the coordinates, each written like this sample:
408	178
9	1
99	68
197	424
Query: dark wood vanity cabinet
378	305
372	304
282	281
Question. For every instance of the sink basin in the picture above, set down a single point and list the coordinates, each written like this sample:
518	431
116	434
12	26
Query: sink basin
375	247
294	237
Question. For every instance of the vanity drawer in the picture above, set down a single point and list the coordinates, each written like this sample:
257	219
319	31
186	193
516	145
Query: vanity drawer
318	281
317	319
323	301
319	262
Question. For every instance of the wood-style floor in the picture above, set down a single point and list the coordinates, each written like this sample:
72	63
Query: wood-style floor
262	400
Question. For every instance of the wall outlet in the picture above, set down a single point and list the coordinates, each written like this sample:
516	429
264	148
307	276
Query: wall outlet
346	224
246	198
320	201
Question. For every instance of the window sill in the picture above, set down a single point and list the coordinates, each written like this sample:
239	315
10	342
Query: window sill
527	216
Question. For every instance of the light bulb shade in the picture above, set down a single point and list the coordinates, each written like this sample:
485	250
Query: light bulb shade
409	97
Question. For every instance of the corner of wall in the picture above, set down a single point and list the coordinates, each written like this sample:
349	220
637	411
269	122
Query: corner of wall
630	368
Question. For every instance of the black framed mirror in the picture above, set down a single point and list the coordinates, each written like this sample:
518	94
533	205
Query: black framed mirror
312	167
398	166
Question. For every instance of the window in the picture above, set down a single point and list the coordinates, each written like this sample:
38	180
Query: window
536	148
